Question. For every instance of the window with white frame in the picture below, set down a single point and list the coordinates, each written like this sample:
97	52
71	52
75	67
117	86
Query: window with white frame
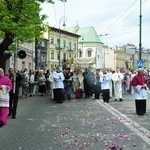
42	58
64	43
75	46
52	54
23	65
29	66
89	54
69	45
64	56
58	39
69	55
43	44
57	55
52	40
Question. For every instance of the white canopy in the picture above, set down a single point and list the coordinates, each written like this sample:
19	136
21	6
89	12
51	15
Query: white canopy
82	61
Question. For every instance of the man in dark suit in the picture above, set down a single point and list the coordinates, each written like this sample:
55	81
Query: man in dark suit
15	77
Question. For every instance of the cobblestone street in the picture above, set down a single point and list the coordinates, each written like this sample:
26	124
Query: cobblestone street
88	124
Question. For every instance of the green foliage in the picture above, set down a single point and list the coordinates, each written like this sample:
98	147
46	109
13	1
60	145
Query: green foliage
12	48
21	19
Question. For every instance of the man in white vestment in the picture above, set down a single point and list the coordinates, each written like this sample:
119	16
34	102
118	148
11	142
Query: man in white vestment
117	78
58	85
139	83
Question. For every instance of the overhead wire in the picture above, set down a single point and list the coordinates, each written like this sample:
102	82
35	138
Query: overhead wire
125	17
129	28
55	15
120	16
55	12
121	21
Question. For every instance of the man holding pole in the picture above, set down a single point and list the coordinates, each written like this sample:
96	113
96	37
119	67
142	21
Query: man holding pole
15	78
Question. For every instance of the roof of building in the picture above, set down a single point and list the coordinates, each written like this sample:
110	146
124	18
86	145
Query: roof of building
64	31
88	34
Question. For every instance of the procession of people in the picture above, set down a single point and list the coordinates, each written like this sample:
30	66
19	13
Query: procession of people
66	84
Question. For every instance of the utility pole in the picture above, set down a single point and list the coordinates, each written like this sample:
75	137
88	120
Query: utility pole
140	32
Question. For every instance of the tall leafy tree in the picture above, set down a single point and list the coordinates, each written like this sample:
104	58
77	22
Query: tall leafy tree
19	20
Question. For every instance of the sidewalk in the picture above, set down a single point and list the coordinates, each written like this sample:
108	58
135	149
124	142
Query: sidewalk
82	124
127	107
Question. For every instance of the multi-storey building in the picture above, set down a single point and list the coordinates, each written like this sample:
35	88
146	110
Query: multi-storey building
41	49
17	62
123	59
108	57
134	51
62	48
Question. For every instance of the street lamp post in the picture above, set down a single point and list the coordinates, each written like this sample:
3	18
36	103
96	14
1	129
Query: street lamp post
62	19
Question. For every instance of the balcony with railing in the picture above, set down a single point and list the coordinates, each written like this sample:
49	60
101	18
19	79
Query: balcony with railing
59	47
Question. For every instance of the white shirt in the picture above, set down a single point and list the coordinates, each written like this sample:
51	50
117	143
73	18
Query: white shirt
58	80
117	77
105	81
140	93
31	79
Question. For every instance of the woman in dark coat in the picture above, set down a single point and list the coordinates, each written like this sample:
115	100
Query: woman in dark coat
42	82
97	84
68	83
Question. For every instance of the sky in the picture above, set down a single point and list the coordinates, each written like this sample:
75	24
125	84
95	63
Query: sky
116	21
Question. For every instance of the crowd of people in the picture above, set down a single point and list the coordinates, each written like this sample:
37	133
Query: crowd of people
60	85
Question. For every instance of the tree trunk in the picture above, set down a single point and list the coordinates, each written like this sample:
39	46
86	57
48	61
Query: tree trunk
2	60
7	41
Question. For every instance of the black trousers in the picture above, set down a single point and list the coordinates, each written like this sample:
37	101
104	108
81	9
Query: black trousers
86	89
140	106
58	95
13	102
68	90
105	95
97	96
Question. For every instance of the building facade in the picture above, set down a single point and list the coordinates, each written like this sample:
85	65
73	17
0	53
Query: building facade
62	49
41	49
90	48
134	51
109	57
21	62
